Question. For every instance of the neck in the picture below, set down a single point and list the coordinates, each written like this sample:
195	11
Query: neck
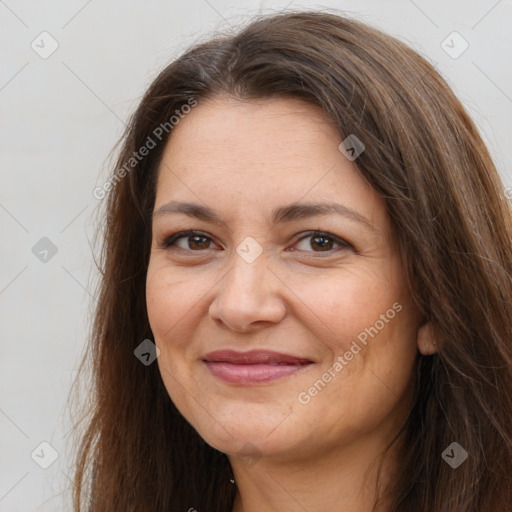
345	480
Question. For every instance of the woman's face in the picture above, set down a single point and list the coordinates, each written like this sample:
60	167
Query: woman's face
309	314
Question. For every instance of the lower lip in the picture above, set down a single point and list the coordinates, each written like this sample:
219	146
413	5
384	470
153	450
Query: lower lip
252	373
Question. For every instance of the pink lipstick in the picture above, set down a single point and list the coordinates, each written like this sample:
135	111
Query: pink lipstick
254	367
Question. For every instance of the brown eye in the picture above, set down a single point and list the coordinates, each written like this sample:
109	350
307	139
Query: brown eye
188	241
323	242
316	242
198	242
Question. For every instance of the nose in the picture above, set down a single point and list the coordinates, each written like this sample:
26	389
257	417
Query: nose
249	296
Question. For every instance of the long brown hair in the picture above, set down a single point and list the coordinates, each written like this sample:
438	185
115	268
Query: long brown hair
425	157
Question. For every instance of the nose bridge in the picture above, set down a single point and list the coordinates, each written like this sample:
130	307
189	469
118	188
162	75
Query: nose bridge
247	277
245	295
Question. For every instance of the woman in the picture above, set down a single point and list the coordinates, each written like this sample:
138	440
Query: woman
306	287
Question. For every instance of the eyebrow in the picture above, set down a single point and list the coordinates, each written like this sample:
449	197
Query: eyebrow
288	213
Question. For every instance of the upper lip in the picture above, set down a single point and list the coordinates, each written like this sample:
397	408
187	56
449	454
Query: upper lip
253	357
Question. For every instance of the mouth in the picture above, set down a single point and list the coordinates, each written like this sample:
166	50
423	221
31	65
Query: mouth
254	367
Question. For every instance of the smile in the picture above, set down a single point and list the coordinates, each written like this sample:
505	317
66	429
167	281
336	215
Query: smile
255	367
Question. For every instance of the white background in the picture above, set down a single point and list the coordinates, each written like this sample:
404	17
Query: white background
60	117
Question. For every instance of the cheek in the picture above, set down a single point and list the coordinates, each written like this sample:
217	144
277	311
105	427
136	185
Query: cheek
346	306
170	303
170	299
163	308
369	378
369	322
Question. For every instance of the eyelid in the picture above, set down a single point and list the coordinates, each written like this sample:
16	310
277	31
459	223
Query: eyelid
337	239
166	243
171	239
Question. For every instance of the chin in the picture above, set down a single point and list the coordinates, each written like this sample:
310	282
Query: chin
245	429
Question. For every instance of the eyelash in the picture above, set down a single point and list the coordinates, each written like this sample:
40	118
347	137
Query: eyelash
169	242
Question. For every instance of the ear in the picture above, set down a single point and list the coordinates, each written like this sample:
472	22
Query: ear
425	339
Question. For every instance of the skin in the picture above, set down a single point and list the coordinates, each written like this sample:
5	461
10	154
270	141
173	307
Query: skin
243	159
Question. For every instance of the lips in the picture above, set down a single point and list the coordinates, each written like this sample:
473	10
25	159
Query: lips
254	367
254	357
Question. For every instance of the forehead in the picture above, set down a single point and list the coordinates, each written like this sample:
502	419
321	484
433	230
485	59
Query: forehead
258	155
270	130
